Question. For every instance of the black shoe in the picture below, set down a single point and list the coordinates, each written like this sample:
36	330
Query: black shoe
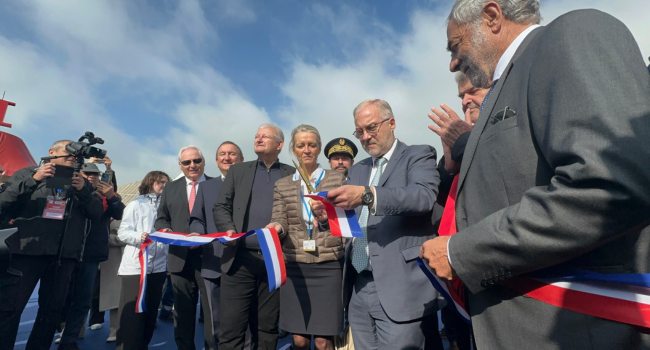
283	334
167	317
69	346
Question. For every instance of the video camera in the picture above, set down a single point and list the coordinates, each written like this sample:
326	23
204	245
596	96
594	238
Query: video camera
80	150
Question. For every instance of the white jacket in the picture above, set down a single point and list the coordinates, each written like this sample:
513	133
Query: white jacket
139	217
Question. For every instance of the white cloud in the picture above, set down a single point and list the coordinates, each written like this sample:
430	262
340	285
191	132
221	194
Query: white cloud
325	94
59	78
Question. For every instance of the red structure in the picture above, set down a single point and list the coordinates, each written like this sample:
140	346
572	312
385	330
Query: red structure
14	154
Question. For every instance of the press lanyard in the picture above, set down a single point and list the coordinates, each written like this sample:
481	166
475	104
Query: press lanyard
307	207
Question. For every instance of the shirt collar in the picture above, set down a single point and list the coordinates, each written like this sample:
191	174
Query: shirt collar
223	178
314	176
275	165
510	52
388	154
188	181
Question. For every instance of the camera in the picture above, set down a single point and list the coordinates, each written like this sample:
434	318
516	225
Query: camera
82	149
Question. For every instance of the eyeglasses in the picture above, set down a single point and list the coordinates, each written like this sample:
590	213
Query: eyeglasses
189	161
371	129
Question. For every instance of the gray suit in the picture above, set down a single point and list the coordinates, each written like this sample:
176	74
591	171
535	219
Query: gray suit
405	196
563	183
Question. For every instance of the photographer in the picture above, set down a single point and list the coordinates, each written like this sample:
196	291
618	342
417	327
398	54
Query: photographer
35	247
95	251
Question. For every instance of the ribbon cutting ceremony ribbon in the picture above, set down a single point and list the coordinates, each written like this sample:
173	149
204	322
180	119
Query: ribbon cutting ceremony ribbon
343	223
269	244
618	297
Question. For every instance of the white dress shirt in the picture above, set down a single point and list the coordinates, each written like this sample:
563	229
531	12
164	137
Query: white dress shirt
318	174
498	71
189	185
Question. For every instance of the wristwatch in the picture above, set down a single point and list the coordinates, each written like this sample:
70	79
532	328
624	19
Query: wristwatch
367	198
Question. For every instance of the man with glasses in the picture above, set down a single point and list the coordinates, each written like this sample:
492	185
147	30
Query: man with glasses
33	208
184	263
391	302
245	203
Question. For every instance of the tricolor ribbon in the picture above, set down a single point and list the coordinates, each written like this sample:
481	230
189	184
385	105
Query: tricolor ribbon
618	297
269	244
343	223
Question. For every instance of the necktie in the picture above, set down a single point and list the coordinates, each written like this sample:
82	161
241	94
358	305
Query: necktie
488	94
192	195
360	248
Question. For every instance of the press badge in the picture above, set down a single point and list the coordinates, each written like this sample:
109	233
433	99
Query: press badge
54	209
309	245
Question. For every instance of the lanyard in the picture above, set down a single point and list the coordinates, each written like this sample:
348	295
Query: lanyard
307	207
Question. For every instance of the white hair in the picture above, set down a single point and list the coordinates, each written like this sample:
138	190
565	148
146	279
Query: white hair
385	112
460	77
180	153
279	135
517	11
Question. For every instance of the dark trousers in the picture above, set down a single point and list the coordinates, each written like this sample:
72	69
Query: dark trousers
247	302
167	301
457	330
17	284
136	329
187	285
213	293
81	294
96	316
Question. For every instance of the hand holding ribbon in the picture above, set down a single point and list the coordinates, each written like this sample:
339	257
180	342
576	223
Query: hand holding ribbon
343	223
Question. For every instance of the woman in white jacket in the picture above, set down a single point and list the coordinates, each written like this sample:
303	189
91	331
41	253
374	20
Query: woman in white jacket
136	329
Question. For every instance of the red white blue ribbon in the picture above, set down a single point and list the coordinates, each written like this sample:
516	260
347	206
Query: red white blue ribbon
452	292
269	244
343	223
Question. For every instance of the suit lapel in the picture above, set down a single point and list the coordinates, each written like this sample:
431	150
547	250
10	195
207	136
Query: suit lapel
182	193
394	159
247	180
472	142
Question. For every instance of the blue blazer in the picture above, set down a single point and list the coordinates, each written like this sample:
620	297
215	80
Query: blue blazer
405	197
203	224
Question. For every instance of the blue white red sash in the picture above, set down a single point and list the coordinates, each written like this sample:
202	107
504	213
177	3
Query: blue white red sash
269	244
618	297
343	223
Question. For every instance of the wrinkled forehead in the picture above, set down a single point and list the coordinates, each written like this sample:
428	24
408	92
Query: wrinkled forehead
368	115
227	148
190	153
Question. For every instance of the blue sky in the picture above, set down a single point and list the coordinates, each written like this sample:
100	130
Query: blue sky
152	76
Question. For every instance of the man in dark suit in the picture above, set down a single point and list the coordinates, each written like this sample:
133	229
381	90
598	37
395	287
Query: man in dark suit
202	222
391	302
555	171
184	263
245	203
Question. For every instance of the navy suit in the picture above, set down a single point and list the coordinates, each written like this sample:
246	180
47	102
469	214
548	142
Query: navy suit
211	265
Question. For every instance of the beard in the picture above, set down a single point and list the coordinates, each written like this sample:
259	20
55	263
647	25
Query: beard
479	76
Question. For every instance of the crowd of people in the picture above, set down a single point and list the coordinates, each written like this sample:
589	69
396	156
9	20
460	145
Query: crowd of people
546	167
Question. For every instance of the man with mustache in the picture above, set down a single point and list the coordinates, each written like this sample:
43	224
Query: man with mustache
554	176
341	153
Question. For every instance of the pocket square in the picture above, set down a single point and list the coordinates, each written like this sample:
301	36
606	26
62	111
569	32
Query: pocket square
503	115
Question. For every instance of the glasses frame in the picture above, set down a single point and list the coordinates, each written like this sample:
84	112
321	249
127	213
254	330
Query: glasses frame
190	161
371	133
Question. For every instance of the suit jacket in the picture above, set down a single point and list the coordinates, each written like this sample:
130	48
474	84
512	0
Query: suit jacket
406	193
231	210
564	183
202	221
174	213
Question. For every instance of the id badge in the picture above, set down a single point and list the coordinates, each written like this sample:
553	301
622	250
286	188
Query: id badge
309	245
54	209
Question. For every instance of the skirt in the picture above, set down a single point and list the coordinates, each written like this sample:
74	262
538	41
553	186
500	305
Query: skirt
310	300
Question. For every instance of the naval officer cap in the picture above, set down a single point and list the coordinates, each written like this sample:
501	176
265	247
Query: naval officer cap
340	145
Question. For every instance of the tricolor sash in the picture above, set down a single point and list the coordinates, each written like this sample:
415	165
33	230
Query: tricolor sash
269	244
618	297
343	223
